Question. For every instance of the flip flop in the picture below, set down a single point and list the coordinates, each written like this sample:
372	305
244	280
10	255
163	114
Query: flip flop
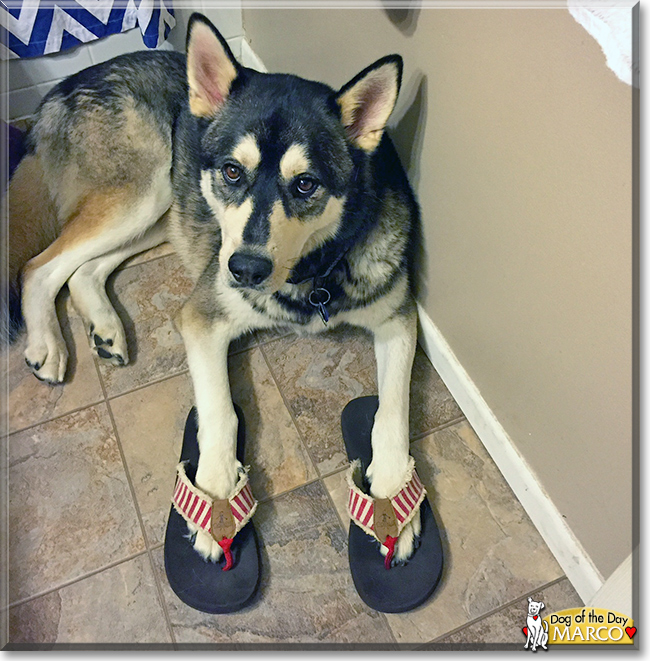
383	585
212	587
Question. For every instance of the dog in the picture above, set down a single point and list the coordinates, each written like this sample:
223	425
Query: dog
284	198
537	634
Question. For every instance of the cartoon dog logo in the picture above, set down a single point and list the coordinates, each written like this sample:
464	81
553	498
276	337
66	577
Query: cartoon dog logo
536	633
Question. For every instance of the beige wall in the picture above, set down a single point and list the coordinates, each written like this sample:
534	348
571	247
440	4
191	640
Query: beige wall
518	139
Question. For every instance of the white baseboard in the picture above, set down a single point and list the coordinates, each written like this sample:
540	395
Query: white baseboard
571	556
616	593
249	57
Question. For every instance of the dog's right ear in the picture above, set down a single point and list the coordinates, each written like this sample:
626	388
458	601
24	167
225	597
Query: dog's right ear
211	67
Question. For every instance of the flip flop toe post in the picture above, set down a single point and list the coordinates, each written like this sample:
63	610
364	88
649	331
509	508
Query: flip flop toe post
228	585
384	585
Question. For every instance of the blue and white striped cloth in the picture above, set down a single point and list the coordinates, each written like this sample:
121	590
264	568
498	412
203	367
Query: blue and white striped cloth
36	27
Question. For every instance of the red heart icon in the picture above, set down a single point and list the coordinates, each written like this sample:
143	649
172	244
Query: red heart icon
535	617
630	631
525	630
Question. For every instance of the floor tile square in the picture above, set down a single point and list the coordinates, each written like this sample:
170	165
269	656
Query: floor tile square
505	626
319	375
150	423
117	605
70	506
306	593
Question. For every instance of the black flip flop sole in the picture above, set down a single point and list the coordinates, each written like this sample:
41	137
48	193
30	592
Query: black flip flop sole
403	587
199	583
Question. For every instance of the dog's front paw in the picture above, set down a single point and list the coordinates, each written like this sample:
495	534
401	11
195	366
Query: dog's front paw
384	484
108	341
48	359
219	481
407	542
204	543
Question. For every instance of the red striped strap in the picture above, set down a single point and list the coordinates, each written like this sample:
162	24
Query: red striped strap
405	502
196	507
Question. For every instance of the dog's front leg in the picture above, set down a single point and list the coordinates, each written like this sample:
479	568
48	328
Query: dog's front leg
395	341
207	335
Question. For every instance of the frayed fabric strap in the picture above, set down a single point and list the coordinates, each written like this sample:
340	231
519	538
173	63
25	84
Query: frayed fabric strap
198	508
405	503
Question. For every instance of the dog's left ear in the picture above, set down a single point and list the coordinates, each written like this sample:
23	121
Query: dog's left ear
367	101
211	67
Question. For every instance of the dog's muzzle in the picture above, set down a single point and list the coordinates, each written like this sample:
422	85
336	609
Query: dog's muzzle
249	269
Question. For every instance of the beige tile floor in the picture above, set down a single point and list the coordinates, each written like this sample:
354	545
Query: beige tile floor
92	469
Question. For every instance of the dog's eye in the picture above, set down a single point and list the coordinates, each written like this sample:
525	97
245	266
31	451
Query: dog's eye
231	173
305	186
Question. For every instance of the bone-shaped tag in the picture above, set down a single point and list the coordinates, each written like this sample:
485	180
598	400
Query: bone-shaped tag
385	519
222	523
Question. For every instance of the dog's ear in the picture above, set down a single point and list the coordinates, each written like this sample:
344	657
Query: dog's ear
211	67
530	599
367	101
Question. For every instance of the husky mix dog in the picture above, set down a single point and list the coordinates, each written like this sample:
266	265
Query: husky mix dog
284	198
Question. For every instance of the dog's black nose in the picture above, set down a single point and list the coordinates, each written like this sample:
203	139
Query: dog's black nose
249	269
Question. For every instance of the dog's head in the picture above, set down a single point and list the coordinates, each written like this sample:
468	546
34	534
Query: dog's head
279	154
534	606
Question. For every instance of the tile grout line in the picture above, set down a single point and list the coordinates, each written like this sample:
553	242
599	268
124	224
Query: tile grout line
154	382
495	611
127	473
334	472
268	499
78	579
55	418
441	427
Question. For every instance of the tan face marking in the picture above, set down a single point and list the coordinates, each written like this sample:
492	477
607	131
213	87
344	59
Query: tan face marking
291	238
247	152
232	220
294	162
233	223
